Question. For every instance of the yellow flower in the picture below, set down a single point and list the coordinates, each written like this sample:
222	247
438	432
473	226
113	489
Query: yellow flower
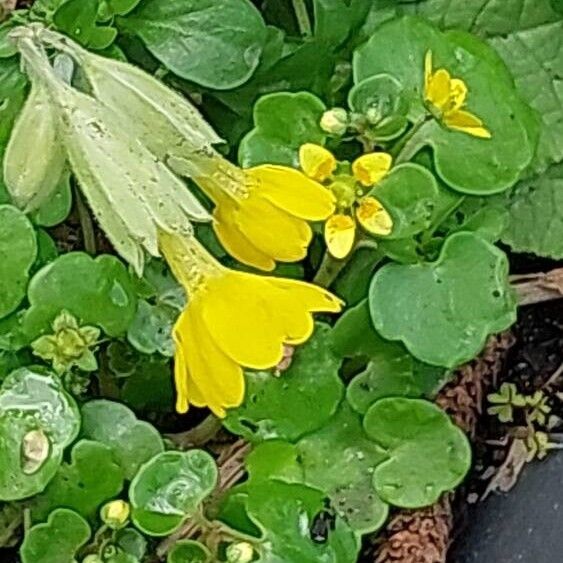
261	213
447	95
233	320
352	204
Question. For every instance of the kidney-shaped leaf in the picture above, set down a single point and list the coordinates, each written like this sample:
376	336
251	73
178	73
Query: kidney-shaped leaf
132	441
170	487
96	291
428	453
283	121
300	400
443	311
38	419
189	551
91	478
57	540
18	250
215	43
467	163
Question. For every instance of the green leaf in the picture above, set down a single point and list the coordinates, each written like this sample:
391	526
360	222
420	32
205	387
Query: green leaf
151	329
57	208
96	291
31	446
335	19
283	121
390	370
300	400
486	17
91	478
410	193
189	551
133	442
535	222
57	540
427	453
491	97
170	487
131	541
285	513
18	251
443	311
77	18
340	459
215	43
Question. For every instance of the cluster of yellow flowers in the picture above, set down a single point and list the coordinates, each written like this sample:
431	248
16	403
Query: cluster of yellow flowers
233	320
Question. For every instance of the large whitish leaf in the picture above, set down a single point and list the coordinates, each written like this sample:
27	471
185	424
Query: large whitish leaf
215	43
35	157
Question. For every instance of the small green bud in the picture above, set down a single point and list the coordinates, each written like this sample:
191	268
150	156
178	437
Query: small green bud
241	552
92	558
335	121
115	514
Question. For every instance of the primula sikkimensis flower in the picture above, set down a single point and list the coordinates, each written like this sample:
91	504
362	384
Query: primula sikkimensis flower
352	203
446	97
261	213
233	320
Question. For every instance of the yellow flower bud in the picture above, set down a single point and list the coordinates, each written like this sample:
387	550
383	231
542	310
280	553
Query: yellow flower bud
115	514
241	552
334	121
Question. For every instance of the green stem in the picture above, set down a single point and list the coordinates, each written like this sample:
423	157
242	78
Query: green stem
86	224
329	269
403	149
302	16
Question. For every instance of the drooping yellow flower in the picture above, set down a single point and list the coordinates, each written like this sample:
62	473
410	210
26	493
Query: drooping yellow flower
233	320
261	213
352	204
446	96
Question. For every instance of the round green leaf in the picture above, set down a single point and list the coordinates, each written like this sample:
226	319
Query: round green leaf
18	250
170	487
189	551
38	419
133	442
131	541
410	194
443	311
96	291
57	540
390	369
283	121
286	513
382	101
91	478
465	162
215	43
340	460
427	453
311	386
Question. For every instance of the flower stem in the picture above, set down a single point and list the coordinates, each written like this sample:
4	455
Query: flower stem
329	269
302	16
408	145
86	224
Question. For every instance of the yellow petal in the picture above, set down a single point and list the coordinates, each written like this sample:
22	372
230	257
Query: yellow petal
235	243
340	232
180	377
292	191
240	311
314	298
458	93
374	217
316	161
468	123
370	168
219	379
438	91
273	231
